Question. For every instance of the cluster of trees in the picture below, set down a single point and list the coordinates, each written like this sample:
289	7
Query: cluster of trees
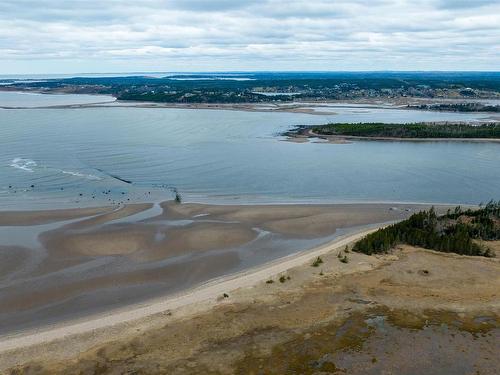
454	232
416	130
458	107
201	96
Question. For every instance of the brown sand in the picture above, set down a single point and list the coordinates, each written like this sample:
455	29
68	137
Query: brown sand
330	318
95	264
10	218
205	228
299	220
118	213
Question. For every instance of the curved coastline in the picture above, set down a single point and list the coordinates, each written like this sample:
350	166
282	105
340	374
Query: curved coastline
205	294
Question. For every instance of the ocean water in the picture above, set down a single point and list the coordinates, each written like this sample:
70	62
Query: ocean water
89	156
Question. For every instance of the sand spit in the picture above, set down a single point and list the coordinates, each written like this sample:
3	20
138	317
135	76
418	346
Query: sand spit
20	218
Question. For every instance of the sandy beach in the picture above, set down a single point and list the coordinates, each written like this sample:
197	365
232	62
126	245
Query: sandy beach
63	265
280	300
87	262
243	323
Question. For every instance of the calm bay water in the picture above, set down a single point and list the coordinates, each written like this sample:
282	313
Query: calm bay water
33	100
228	156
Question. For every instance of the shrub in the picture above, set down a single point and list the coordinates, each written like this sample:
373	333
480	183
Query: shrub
282	279
317	262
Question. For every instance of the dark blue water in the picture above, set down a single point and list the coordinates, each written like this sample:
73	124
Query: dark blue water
214	156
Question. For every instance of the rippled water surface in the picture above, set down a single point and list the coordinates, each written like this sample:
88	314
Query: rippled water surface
51	157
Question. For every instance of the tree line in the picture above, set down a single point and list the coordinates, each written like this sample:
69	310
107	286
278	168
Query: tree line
457	231
412	130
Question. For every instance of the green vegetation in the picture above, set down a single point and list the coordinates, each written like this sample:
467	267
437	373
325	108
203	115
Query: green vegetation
284	278
417	130
343	258
457	107
317	262
270	281
456	232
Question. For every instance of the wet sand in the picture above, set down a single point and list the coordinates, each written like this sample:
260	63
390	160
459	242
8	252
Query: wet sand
411	312
23	218
64	265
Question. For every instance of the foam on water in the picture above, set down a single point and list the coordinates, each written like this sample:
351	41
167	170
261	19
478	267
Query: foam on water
78	174
28	165
24	164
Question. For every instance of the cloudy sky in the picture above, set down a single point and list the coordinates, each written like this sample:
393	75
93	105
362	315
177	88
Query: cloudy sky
69	36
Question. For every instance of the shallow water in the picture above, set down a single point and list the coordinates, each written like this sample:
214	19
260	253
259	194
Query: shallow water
34	100
76	157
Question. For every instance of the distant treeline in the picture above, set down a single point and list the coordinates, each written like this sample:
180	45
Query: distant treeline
418	130
458	107
455	232
202	96
242	87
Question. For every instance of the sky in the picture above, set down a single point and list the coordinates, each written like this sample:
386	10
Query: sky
77	36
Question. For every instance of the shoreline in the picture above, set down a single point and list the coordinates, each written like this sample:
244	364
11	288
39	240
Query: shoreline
390	287
342	139
235	293
305	107
138	252
206	293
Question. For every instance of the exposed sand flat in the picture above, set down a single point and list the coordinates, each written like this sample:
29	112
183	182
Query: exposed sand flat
301	220
10	218
96	265
13	258
119	240
194	300
118	213
147	242
312	321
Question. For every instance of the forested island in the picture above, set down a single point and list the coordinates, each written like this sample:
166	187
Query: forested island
402	131
457	107
458	231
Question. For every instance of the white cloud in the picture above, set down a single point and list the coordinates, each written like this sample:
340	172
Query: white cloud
161	35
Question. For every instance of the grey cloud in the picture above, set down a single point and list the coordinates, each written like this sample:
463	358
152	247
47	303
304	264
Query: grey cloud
260	33
461	4
211	5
